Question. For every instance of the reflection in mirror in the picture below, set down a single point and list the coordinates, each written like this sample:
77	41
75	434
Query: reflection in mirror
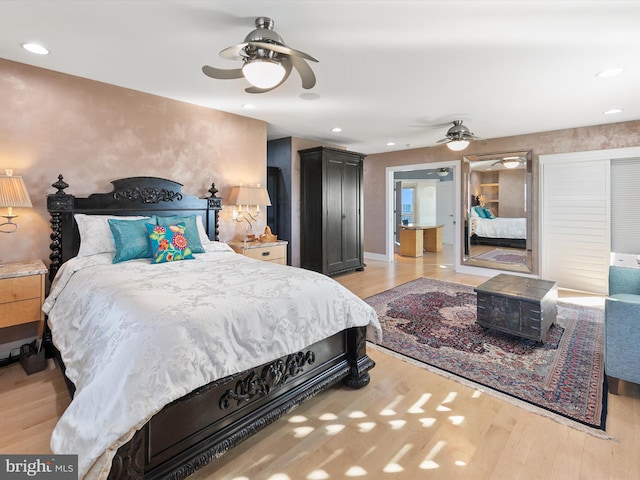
496	200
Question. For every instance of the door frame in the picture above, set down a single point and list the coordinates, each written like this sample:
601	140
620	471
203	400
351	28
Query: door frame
389	200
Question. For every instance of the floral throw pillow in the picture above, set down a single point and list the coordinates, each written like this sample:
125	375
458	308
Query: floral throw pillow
169	243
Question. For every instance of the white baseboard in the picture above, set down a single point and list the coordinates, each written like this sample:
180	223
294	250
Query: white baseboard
376	256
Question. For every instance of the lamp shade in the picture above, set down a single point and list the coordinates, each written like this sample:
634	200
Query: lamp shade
249	196
13	192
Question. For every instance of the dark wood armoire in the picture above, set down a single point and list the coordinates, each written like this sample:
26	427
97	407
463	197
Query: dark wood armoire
331	220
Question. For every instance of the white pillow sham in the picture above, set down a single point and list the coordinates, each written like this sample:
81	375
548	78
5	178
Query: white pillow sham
95	234
202	232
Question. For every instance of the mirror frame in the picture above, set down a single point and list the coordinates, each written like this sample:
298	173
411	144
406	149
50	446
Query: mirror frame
530	267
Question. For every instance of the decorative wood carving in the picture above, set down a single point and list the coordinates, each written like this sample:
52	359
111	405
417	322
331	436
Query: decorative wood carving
56	245
147	195
272	376
128	463
60	185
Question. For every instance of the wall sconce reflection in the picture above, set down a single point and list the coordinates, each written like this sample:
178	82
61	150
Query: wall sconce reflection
251	199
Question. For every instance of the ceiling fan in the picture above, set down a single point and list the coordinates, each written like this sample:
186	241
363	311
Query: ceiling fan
459	136
266	60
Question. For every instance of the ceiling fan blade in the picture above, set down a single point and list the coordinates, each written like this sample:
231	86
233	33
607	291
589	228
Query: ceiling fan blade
233	52
444	140
282	49
287	71
306	74
221	73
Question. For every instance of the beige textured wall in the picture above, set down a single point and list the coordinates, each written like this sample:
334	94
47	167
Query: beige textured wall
93	133
600	137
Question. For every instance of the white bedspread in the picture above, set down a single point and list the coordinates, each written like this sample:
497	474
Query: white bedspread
501	227
136	336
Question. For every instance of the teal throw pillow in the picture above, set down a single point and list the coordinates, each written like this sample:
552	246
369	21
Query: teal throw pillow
170	243
131	239
488	213
191	231
480	211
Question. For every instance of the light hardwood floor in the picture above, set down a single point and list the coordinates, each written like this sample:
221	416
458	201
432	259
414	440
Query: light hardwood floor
407	424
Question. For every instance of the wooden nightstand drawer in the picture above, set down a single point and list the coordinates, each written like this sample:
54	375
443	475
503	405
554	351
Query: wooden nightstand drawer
270	254
17	313
275	252
19	288
22	294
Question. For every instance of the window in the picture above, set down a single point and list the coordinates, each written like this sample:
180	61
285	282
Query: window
407	204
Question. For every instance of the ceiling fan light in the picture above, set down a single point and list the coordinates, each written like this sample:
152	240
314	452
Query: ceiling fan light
511	163
263	73
458	145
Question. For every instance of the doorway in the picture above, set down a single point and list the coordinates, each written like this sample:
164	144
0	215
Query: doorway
448	214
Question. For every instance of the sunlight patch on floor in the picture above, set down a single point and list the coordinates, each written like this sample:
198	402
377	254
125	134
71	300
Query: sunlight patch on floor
318	475
390	409
356	471
417	407
366	427
428	463
394	466
357	414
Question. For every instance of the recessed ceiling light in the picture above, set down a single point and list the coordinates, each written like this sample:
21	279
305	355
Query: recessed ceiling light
390	144
35	48
336	129
248	106
609	72
611	111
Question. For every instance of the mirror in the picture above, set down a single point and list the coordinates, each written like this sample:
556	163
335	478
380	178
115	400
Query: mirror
497	205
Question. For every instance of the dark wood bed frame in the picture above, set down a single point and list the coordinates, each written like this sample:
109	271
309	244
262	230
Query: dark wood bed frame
199	427
495	242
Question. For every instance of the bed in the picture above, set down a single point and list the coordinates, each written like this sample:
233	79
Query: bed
487	229
158	393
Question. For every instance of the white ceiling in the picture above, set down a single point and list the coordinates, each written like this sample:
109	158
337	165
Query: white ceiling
388	71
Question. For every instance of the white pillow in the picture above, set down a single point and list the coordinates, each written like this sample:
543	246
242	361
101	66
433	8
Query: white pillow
95	234
218	247
202	232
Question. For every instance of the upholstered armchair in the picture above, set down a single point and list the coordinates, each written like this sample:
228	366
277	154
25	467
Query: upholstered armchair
622	327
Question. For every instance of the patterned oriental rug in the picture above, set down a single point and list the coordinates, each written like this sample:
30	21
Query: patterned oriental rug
433	322
518	257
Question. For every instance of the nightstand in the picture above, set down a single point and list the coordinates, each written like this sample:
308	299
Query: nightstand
22	294
275	252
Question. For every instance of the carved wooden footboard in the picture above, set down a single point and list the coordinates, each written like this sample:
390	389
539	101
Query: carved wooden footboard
179	440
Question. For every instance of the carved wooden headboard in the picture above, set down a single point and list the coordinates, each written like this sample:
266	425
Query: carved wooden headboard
130	196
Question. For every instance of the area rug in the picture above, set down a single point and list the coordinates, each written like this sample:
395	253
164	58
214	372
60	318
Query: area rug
433	322
518	257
